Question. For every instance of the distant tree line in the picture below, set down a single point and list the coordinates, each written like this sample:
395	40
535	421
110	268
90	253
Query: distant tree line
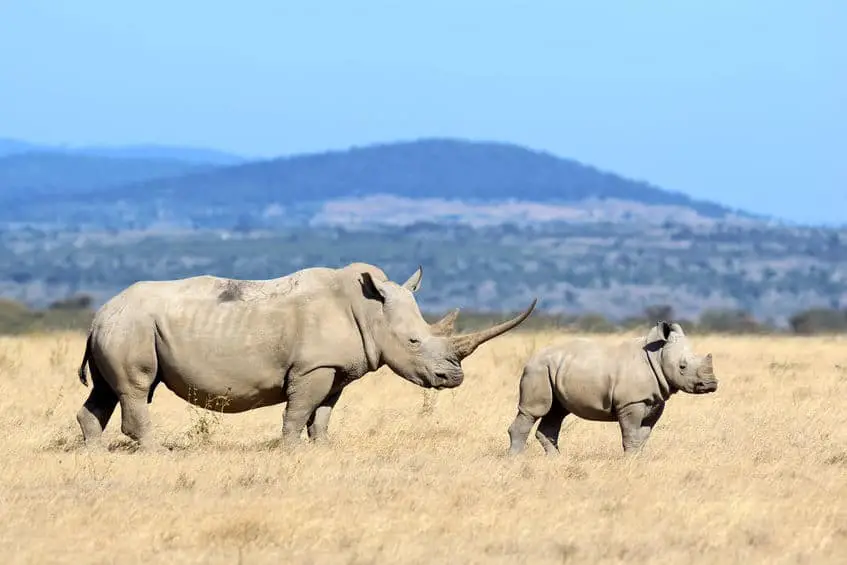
75	313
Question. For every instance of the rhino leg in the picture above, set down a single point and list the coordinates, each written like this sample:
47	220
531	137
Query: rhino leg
132	380
305	395
319	421
97	409
637	421
535	401
548	430
135	422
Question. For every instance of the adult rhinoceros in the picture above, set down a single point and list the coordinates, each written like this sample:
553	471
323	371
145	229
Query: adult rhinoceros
234	345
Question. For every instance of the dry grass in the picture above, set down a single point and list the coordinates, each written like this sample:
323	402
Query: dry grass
754	473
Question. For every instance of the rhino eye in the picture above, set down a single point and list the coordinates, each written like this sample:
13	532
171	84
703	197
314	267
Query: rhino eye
682	364
414	341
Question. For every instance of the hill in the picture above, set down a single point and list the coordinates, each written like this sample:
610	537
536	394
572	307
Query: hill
14	146
441	180
194	155
59	174
431	168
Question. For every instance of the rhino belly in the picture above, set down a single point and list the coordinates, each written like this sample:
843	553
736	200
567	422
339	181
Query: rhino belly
586	396
222	355
223	383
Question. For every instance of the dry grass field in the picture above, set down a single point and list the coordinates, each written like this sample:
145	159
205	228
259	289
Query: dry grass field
755	473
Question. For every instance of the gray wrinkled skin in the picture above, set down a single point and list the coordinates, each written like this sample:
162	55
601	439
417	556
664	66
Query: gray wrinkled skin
233	345
629	383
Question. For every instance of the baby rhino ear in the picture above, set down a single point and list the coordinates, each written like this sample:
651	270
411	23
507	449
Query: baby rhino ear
664	329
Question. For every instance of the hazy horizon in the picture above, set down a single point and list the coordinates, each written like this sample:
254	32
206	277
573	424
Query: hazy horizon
740	104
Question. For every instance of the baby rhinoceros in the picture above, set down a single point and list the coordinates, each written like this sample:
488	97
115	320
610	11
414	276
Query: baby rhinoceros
628	382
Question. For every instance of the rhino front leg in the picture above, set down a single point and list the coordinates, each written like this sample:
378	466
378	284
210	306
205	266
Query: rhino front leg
637	421
319	421
654	413
305	394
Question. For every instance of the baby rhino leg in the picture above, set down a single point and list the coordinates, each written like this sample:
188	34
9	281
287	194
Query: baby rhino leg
534	401
637	421
548	430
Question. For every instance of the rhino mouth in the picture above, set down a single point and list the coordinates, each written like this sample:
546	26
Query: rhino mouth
441	380
705	387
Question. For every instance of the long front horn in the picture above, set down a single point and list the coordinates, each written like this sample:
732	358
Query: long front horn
464	345
444	326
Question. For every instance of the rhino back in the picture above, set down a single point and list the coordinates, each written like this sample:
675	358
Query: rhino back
214	336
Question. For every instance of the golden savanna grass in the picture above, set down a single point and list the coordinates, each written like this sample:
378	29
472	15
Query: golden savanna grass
755	473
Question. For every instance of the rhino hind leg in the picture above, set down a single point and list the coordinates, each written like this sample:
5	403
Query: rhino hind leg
548	430
135	421
97	409
535	401
134	379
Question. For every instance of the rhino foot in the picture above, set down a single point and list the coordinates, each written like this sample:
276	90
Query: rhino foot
93	446
150	446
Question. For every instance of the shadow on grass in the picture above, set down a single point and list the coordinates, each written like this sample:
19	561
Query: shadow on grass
64	442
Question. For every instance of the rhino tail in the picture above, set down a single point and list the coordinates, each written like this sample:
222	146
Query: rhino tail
83	378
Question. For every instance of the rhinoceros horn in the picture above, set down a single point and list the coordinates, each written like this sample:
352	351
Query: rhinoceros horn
444	326
464	345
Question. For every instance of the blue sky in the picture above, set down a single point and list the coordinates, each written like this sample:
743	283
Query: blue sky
739	102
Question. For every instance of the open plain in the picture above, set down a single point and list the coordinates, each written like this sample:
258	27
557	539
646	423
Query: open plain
755	473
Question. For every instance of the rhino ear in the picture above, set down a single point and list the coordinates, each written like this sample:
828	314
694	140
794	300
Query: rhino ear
372	288
665	329
414	282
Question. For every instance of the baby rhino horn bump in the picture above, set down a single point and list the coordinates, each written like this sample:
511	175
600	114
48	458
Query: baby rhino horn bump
706	369
464	345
